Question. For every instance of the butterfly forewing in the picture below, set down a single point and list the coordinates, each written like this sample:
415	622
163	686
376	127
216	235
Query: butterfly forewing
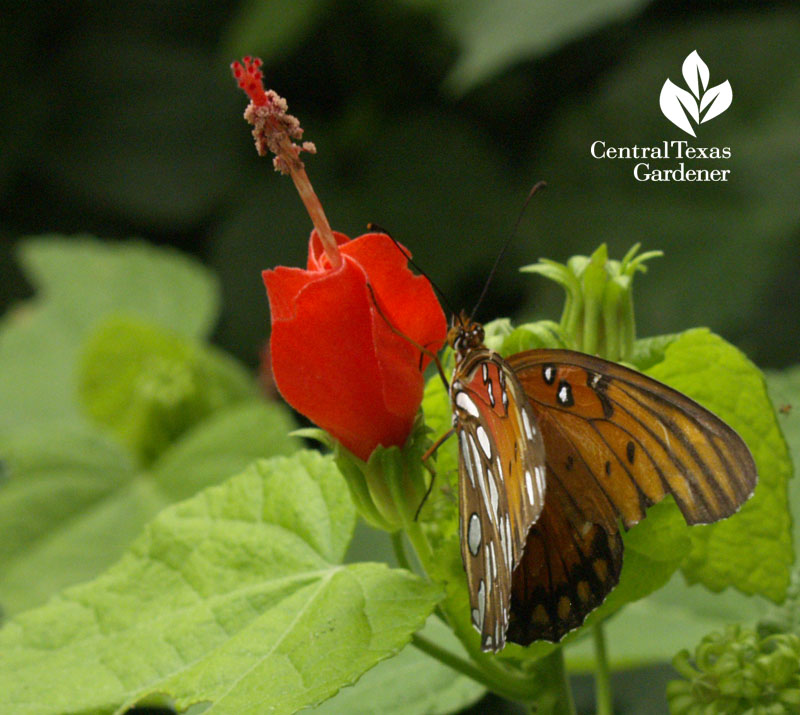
629	440
501	483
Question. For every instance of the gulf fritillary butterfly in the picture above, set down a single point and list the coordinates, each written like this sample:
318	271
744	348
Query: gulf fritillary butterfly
555	447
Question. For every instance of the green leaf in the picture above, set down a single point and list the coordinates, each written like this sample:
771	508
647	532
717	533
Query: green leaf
159	284
753	549
230	598
40	339
784	388
150	386
495	35
73	500
649	351
411	683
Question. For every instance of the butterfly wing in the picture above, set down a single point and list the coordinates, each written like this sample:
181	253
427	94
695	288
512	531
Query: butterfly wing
617	441
501	484
565	573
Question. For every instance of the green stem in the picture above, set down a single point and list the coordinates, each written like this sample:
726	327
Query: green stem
602	678
500	682
564	703
400	550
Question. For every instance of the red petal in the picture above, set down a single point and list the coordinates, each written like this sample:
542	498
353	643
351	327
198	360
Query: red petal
317	258
324	359
407	300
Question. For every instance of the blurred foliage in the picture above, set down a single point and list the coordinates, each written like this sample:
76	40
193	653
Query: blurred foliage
433	119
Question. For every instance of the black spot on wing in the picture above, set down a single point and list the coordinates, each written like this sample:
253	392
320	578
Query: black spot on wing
599	384
564	395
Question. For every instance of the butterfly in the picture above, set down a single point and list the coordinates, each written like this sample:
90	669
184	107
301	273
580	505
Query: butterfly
555	449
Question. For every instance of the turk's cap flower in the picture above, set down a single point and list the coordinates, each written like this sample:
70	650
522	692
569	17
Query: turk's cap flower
341	343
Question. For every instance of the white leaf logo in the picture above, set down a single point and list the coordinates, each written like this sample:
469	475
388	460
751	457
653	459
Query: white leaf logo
701	103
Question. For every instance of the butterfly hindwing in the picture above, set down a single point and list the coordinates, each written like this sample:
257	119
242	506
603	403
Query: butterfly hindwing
501	483
565	573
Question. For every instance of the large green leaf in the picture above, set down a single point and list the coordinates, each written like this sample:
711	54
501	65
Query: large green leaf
784	388
753	549
234	598
411	683
72	501
79	281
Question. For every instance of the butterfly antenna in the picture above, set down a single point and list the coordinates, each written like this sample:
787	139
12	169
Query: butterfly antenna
539	185
379	229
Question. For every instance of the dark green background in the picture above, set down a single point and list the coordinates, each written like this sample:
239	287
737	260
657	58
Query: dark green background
432	119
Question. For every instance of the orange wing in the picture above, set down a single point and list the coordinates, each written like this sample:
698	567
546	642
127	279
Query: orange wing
616	441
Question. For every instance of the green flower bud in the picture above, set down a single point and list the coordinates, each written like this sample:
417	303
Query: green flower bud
598	315
736	671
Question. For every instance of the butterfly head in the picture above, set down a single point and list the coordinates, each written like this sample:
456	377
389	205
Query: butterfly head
464	335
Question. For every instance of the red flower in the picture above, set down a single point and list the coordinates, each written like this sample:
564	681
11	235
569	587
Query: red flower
334	357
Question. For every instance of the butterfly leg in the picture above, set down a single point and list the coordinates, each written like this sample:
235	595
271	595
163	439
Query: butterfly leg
423	350
431	451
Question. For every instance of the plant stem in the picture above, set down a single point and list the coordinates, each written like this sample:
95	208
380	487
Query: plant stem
400	550
502	683
560	684
602	678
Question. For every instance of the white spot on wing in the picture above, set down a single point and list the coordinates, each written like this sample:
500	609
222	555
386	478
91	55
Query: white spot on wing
483	438
481	604
510	556
528	485
539	472
464	401
526	423
563	395
481	475
465	455
493	498
488	566
474	534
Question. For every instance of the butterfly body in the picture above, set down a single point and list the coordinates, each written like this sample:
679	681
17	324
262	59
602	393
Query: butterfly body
555	449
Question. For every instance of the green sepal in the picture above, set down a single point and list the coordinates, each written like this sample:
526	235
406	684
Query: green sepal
315	433
389	487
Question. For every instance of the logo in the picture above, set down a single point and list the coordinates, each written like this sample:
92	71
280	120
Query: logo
699	105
